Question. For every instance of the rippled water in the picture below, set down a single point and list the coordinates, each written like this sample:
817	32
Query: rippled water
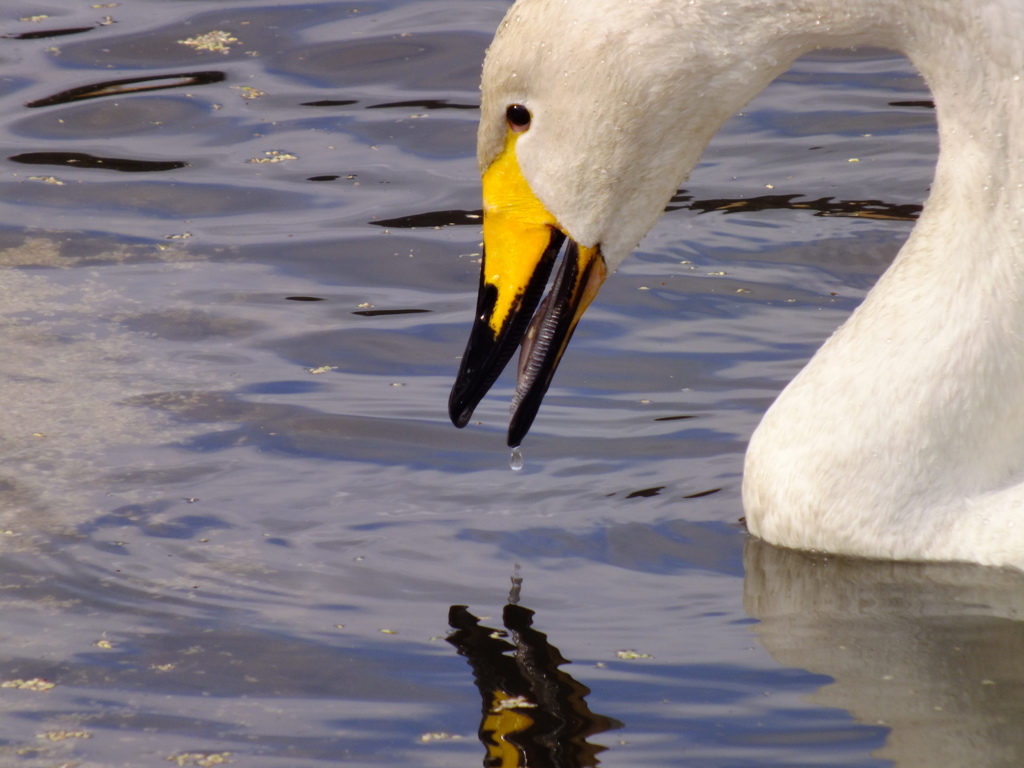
236	519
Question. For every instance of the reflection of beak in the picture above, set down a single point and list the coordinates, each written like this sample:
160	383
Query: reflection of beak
521	242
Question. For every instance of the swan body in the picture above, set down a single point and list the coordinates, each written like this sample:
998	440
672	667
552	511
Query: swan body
903	437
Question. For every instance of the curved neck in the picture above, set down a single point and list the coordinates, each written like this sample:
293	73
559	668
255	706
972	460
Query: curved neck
904	435
970	55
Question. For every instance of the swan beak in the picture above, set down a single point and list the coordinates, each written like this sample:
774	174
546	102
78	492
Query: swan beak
521	244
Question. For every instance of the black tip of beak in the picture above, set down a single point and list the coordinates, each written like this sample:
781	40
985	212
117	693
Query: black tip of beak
546	339
482	362
460	409
520	425
487	353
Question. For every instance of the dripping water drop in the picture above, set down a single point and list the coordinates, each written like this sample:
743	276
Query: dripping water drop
515	461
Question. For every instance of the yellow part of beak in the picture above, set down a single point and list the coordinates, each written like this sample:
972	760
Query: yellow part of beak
517	231
522	240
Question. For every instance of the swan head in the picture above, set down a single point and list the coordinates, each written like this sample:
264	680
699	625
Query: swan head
592	114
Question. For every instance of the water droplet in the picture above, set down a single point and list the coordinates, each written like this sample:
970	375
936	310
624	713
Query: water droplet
515	461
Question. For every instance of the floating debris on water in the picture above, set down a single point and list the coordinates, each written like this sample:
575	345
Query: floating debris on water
202	759
274	156
217	40
64	735
631	655
427	738
35	684
248	92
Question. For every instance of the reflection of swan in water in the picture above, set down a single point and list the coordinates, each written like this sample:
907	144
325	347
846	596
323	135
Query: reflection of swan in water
904	437
534	713
934	652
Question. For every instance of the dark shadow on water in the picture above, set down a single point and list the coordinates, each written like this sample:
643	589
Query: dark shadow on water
128	85
823	206
44	34
423	104
84	160
533	713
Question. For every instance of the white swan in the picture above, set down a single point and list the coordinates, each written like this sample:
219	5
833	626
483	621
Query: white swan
903	437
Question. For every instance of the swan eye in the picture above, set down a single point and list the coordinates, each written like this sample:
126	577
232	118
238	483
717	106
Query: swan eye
518	118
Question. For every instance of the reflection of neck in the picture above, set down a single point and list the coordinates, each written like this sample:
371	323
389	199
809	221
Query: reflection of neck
930	651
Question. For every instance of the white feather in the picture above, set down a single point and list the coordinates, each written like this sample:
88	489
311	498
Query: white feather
904	436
